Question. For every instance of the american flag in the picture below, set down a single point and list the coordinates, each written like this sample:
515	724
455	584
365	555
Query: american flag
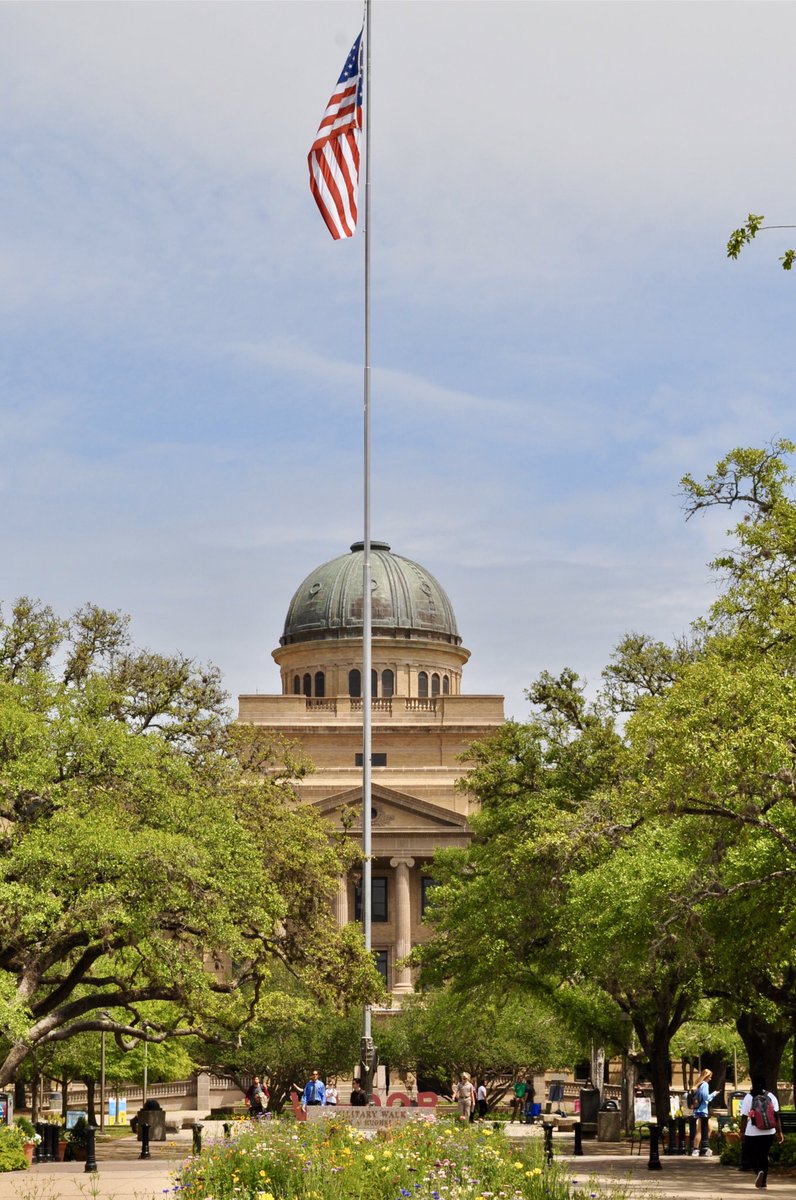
334	157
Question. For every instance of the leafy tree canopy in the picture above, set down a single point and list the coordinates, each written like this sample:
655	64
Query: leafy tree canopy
151	851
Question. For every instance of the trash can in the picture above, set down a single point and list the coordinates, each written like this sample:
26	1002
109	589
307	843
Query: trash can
153	1116
609	1122
589	1104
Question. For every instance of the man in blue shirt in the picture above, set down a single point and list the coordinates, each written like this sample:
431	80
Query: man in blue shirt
314	1092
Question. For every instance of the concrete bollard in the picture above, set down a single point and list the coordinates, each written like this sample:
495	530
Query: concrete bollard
91	1149
144	1141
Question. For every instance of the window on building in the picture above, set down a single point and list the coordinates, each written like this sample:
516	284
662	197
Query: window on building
376	760
296	685
380	959
422	684
435	684
354	683
374	684
387	683
427	885
320	684
308	684
378	899
446	685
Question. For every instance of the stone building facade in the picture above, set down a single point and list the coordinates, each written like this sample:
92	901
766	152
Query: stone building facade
422	722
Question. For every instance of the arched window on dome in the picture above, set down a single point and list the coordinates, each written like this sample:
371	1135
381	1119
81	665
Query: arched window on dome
354	683
320	684
446	686
296	685
387	683
374	684
308	684
422	684
435	684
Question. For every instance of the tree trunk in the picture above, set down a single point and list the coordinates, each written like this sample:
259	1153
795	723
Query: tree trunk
765	1044
660	1075
717	1063
598	1067
64	1097
90	1109
19	1095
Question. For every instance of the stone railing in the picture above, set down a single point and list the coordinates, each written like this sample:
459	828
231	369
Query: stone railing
421	704
376	705
317	705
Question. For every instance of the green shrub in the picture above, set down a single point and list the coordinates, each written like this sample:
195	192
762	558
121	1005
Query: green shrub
78	1134
26	1126
12	1156
786	1153
783	1155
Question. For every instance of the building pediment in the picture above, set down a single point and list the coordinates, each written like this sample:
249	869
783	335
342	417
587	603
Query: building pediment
394	811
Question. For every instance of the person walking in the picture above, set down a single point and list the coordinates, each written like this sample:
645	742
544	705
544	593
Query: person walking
699	1108
518	1098
465	1096
528	1100
331	1092
257	1099
480	1097
358	1097
314	1092
760	1124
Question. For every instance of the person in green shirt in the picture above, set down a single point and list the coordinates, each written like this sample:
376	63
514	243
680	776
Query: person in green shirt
518	1099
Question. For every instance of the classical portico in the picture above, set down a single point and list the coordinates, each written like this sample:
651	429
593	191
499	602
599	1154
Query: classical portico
421	723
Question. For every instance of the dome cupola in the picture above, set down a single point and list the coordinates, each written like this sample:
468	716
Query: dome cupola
416	649
407	600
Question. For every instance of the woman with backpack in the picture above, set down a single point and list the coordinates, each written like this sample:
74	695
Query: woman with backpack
760	1123
702	1097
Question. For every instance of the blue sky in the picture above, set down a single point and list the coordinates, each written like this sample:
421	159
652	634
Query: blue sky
557	334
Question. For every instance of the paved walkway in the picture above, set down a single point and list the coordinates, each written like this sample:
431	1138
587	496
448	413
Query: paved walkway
123	1176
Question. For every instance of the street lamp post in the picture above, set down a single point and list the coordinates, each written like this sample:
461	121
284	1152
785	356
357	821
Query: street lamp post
102	1084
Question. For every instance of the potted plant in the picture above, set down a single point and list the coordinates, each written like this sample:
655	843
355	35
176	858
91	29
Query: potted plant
31	1138
77	1137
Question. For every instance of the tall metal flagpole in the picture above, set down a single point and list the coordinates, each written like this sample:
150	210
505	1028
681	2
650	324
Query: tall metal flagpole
368	1052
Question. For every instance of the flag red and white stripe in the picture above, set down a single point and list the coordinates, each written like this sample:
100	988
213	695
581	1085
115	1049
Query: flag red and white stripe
334	156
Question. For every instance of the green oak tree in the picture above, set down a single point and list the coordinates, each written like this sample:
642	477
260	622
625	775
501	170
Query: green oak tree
293	1033
444	1032
151	850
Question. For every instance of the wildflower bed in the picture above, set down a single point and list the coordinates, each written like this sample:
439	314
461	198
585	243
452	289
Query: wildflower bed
415	1161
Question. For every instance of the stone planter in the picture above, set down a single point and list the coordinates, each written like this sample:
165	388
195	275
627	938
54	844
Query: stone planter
28	1149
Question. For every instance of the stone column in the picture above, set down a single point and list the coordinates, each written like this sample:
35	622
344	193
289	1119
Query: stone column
403	922
340	902
201	1095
